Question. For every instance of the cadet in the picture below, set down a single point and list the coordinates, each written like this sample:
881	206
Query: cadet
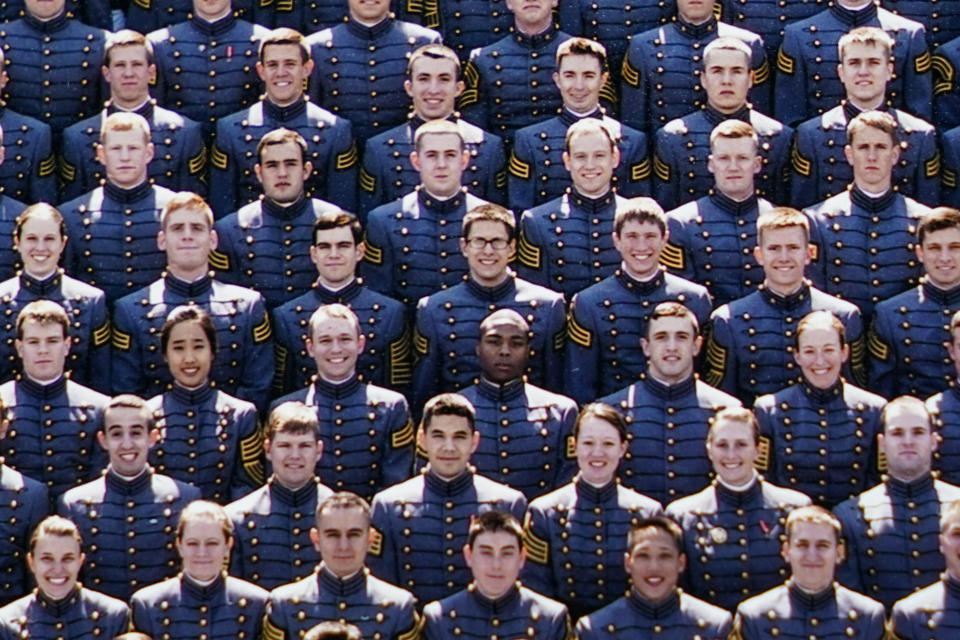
465	25
29	173
336	250
940	21
810	603
412	244
508	82
537	172
149	15
206	64
495	603
128	516
52	62
180	157
284	66
202	598
655	560
668	410
272	525
265	244
448	323
663	67
818	436
821	166
768	17
944	408
40	237
433	83
608	319
359	66
807	81
60	606
366	430
53	420
422	524
566	558
341	587
567	244
749	352
302	15
732	528
681	157
909	330
525	431
114	227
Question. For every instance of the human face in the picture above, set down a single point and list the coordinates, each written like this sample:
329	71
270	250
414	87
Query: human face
189	355
40	246
940	255
43	349
727	79
580	79
872	154
654	565
591	161
488	266
670	347
783	254
203	548
369	12
695	11
125	155
211	10
950	545
734	162
294	457
433	87
441	161
448	443
127	439
640	245
732	452
342	537
908	442
129	75
599	450
495	559
44	10
335	346
813	553
820	356
532	16
336	255
55	563
187	238
503	351
864	72
282	172
283	73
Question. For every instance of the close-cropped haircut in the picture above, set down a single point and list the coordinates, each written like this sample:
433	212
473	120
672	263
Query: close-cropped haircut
782	218
587	127
937	219
336	219
285	35
735	414
186	200
40	210
671	309
489	213
282	136
127	38
582	47
640	210
130	401
343	500
188	313
813	514
434	51
436	127
448	404
205	510
873	119
55	526
43	312
604	412
125	121
657	523
867	36
910	404
493	521
734	129
335	310
821	319
727	43
293	417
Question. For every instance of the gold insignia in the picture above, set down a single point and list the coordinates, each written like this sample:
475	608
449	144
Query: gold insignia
471	78
528	254
641	170
262	332
881	461
560	339
218	158
143	4
68	172
414	6
932	166
608	92
280	355
660	168
785	63
120	340
923	62
877	347
762	463
538	549
943	75
762	73
717	9
630	75
471	75
197	163
285	6
571	448
251	454
400	370
219	260
735	634
718	535
376	543
421	345
431	14
101	335
801	165
814	250
265	3
716	363
402	437
372	253
500	179
858	360
47	166
270	630
367	181
578	335
518	168
414	631
348	158
948	178
673	257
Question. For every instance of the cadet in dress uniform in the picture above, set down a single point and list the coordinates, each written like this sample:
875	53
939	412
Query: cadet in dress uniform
495	603
940	20
92	12
891	530
663	67
944	408
210	439
537	171
768	17
909	330
341	588
336	250
681	157
421	525
60	607
272	525
412	244
654	606
807	80
367	434
127	518
27	163
464	24
53	420
265	244
242	366
820	166
751	341
359	66
433	84
819	436
149	15
41	237
732	528
566	558
448	323
284	67
810	603
608	319
202	601
668	410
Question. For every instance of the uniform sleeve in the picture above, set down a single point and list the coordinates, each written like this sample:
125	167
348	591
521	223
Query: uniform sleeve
635	166
495	189
520	173
927	176
257	374
666	183
950	169
900	626
881	356
409	623
284	355
567	459
721	366
778	167
382	557
766	462
248	471
918	77
537	573
677	256
806	178
856	366
193	160
370	194
553	348
340	176
790	107
275	623
377	265
848	572
96	370
225	259
817	270
158	39
946	93
582	358
633	90
223	173
127	365
397	463
762	90
73	165
433	623
531	263
471	103
399	354
141	16
426	368
142	620
571	21
238	553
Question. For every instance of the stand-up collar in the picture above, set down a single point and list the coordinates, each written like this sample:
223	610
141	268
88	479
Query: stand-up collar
216	28
872	204
49	26
145	110
569	118
340	587
42	288
736	208
855	17
192	397
337	389
127	196
595	495
811	601
789	302
287	113
655	611
641	288
912	490
190	290
943	297
495	606
822	396
697	31
43	391
448	488
284	212
537	41
442	208
342	296
59	608
505	392
128	487
202	592
668	391
739	499
851	111
592	205
492	294
305	495
370	33
715	117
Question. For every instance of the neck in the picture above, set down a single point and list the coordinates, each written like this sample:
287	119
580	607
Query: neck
692	21
129	187
187	275
742	486
336	286
215	18
327	378
129	105
291	487
40	276
783	291
582	114
599	193
907	479
669	380
598	484
853	6
129	477
441	196
873	190
493	596
728	110
45	382
287	203
533	28
490	282
943	287
426	118
39	19
641	277
285	103
866	105
738	196
447	478
367	23
200	581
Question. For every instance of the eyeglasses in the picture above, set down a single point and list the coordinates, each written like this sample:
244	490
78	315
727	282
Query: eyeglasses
498	244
